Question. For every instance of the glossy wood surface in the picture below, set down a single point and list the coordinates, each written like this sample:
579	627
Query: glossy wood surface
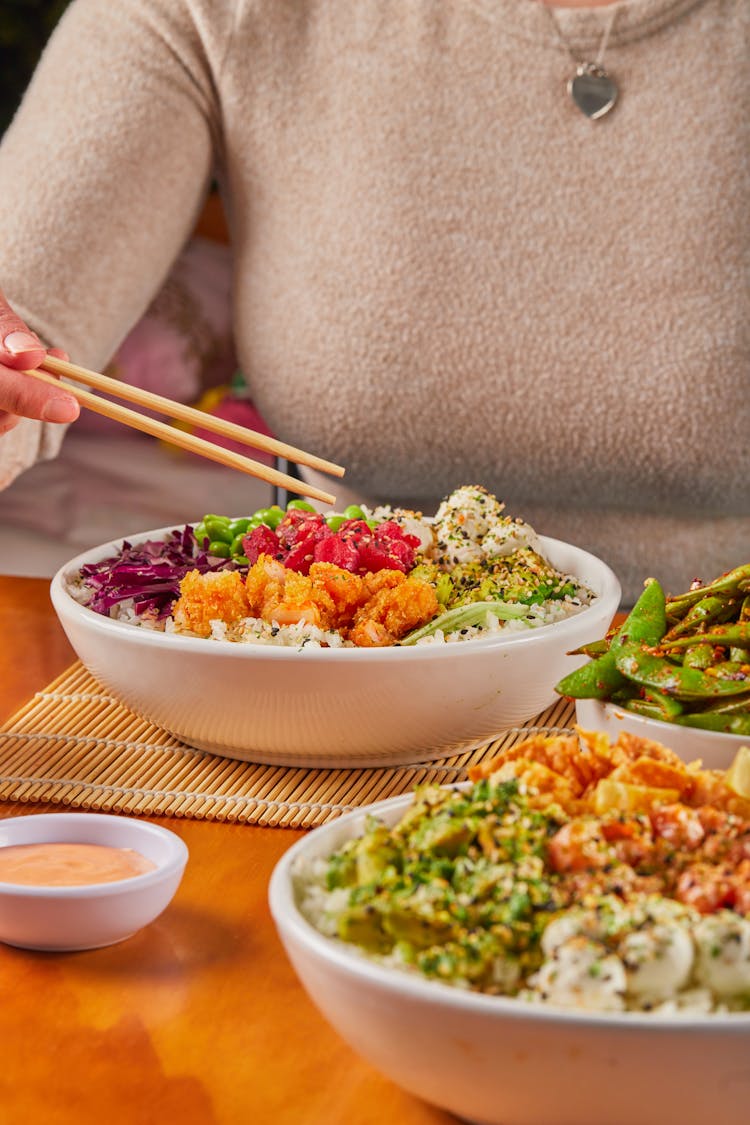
196	1019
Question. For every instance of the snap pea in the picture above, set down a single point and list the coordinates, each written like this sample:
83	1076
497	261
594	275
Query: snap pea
737	703
699	656
653	708
636	663
598	679
737	634
594	648
734	582
743	616
703	612
601	677
716	721
657	704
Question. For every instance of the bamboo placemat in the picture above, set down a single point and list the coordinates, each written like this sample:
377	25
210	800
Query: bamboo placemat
74	744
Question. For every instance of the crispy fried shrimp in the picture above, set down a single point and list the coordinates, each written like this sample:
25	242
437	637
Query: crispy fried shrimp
394	610
265	579
216	596
337	592
382	580
281	595
293	602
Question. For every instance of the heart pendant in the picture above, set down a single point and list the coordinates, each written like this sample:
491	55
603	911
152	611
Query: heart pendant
592	90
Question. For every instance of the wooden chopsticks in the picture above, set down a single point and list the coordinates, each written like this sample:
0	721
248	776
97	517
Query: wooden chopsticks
52	366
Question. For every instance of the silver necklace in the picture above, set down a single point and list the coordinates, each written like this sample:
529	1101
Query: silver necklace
591	88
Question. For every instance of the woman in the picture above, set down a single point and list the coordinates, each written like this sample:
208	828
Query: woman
445	270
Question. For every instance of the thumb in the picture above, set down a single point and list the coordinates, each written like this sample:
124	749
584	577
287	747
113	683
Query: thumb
19	347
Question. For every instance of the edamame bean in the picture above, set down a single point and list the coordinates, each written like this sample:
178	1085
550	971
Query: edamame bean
217	528
271	517
335	522
237	547
354	512
299	506
239	527
220	548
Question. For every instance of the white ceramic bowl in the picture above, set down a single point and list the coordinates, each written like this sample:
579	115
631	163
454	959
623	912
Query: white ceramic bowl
715	749
499	1061
333	707
97	914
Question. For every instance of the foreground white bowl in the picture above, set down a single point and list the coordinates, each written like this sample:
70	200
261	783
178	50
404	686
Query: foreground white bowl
333	707
97	914
715	749
499	1061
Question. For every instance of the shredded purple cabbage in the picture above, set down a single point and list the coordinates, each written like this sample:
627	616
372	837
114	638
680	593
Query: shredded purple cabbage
149	573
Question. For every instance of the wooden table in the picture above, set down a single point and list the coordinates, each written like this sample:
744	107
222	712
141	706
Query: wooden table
199	1017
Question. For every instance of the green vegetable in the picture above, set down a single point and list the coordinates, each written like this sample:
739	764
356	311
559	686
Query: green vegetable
601	677
217	528
465	617
300	506
271	517
220	548
335	522
656	704
354	512
717	721
656	672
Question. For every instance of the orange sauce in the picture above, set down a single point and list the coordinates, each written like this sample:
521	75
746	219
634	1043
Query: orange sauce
69	865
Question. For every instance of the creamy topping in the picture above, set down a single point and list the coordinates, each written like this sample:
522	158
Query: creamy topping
69	865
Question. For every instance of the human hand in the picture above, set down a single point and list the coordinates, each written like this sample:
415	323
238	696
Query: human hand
20	396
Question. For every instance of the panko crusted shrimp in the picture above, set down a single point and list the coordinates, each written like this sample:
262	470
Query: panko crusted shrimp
206	598
370	610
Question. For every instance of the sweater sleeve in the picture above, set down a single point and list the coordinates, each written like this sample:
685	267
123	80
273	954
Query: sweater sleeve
103	172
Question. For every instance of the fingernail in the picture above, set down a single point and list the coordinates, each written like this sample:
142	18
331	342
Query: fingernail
18	342
59	410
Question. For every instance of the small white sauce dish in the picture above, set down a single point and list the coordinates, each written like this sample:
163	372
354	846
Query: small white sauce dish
66	918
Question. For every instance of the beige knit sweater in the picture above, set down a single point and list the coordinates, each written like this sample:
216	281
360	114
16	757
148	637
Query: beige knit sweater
445	273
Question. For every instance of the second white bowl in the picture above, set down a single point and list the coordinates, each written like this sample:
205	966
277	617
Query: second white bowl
716	750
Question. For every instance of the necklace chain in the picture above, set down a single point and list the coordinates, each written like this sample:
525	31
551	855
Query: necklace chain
592	89
603	43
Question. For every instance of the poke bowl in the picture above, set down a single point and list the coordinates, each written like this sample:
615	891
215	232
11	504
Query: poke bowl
414	936
327	703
